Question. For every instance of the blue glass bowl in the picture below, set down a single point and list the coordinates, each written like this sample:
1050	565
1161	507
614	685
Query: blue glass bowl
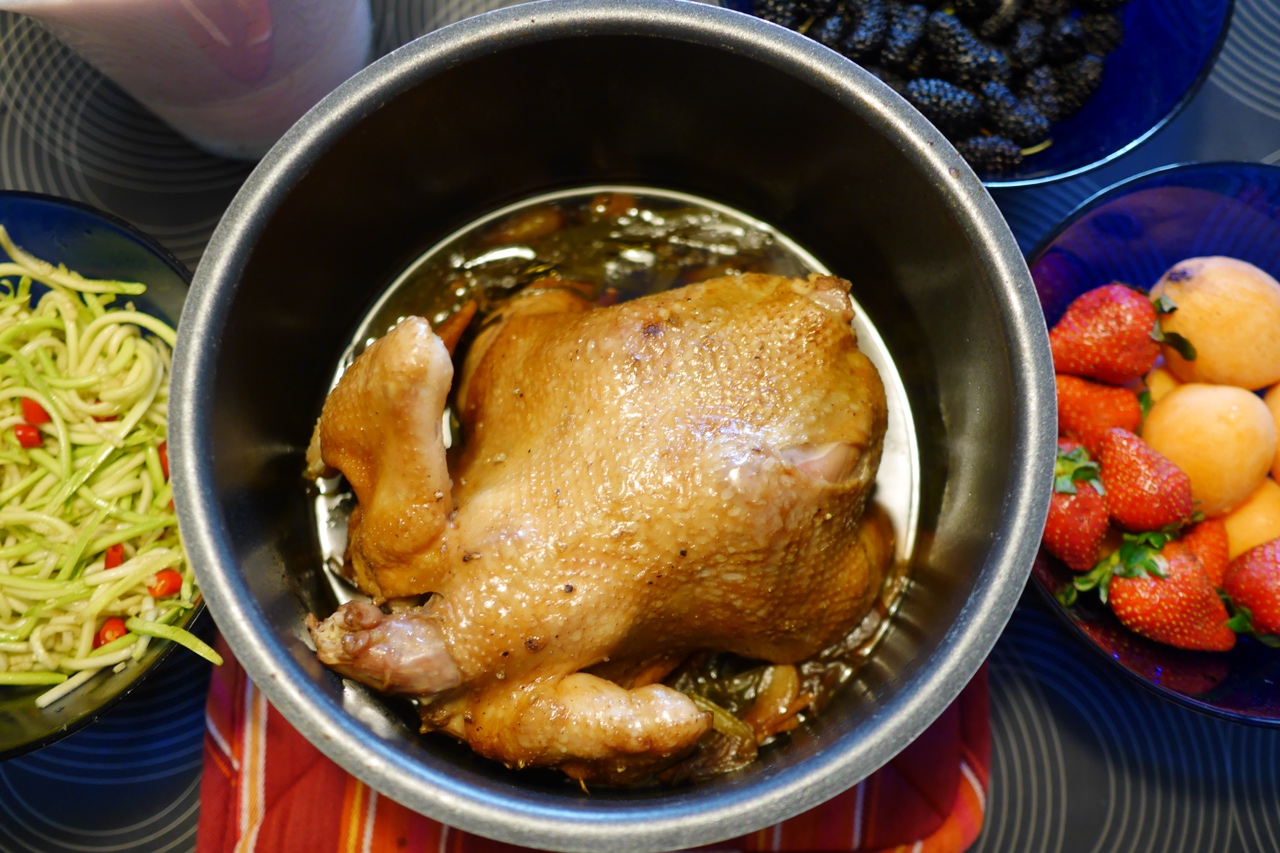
95	245
1168	50
1133	232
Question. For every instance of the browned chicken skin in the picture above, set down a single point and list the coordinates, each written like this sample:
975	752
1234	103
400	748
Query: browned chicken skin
682	472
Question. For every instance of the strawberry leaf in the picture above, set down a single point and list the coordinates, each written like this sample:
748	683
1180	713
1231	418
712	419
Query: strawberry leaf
1241	622
1139	555
1131	553
1164	305
1155	539
1076	467
1067	595
1156	566
1086	582
1145	402
1086	472
1099	578
1179	344
1079	454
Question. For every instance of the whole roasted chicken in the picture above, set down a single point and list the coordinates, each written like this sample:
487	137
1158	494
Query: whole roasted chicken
679	473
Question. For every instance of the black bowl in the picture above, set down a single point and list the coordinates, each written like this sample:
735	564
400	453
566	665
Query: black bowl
95	245
1133	232
551	95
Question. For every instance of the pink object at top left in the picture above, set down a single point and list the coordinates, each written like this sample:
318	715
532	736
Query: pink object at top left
230	75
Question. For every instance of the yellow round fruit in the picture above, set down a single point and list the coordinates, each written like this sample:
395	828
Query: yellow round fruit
1160	381
1272	399
1255	521
1230	312
1222	436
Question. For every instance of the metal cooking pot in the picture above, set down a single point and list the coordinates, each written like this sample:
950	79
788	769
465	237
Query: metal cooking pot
576	93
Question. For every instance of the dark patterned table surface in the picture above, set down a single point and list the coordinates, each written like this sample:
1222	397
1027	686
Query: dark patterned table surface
1083	760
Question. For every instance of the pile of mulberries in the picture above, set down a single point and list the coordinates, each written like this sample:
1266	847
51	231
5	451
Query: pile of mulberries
993	75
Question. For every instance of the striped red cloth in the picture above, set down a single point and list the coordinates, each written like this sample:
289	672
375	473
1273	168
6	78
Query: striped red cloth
267	789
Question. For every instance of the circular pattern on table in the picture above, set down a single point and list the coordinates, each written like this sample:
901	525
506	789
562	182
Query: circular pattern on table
1258	757
1248	68
67	131
1026	755
70	111
150	746
1083	760
400	22
1033	214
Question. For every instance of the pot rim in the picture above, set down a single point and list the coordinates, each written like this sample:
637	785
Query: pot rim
688	816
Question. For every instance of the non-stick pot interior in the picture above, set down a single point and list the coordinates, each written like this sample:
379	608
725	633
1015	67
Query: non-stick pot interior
768	138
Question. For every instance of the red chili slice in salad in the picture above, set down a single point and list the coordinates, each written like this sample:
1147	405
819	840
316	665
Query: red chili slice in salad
163	450
167	582
34	413
113	557
28	436
112	629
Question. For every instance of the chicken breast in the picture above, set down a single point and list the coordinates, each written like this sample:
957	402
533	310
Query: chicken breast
686	471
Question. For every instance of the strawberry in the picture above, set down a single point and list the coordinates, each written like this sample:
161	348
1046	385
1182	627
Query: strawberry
1066	446
1145	491
1078	518
1174	604
1086	410
1208	541
1106	334
1253	582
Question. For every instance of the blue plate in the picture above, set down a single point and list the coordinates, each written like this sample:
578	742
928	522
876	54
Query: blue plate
1133	232
1168	51
96	245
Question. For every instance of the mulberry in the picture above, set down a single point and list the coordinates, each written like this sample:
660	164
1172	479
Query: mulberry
906	32
1013	118
1064	41
1026	49
1047	10
994	155
995	74
1077	81
1040	91
953	110
1103	32
787	13
997	26
831	29
863	42
946	34
961	56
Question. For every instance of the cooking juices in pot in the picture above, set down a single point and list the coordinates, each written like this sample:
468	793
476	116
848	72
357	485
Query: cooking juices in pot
609	245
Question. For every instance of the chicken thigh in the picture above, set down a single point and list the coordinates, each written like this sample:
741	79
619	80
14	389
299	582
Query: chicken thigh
686	471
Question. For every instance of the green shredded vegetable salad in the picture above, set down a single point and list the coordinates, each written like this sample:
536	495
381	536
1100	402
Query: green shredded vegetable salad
91	564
